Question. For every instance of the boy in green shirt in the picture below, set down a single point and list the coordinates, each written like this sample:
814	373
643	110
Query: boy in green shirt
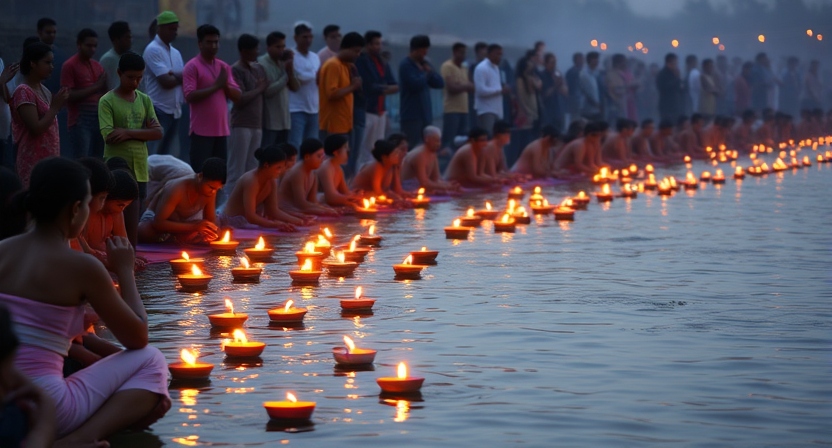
128	121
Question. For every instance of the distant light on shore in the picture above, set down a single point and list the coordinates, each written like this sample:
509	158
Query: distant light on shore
761	38
675	43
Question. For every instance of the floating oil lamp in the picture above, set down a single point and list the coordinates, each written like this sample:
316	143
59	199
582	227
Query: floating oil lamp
625	176
807	161
739	173
225	244
690	182
340	267
424	256
564	212
457	232
605	195
420	201
516	193
367	211
512	204
505	224
648	168
407	270
470	219
673	184
664	188
322	244
627	191
779	165
719	177
229	319
650	183
240	347
306	275
290	409
401	384
310	254
705	176
764	169
536	194
521	216
195	281
245	273
189	368
488	213
603	176
580	201
359	303
794	163
542	207
352	355
183	265
355	253
370	239
287	314
687	159
259	253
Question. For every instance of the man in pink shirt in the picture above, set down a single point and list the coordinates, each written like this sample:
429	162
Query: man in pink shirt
208	86
86	81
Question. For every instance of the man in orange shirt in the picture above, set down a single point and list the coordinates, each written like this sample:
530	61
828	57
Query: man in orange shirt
337	81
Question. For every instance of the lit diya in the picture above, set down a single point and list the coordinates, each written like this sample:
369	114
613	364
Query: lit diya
339	267
358	303
229	319
259	253
420	201
648	168
189	369
719	177
306	275
470	219
401	384
194	281
521	216
690	182
505	224
673	184
291	409
516	193
605	195
225	244
603	176
627	191
322	244
351	355
650	183
664	188
310	254
564	212
353	252
625	176
488	213
287	314
240	347
368	211
424	256
245	273
807	161
542	207
370	239
457	232
536	194
326	233
705	176
739	173
406	270
687	159
779	165
580	201
183	265
795	163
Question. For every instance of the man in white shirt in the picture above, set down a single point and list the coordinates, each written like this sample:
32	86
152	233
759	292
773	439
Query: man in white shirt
590	94
694	82
332	39
303	101
163	82
489	89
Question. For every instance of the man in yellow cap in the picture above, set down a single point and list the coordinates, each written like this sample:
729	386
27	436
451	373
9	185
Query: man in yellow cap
163	81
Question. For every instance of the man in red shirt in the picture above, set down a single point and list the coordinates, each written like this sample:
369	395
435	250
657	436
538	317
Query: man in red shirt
87	82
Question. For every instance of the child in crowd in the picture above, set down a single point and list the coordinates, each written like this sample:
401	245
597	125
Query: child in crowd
109	220
299	189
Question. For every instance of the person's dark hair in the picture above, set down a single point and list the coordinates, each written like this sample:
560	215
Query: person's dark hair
333	143
130	61
501	127
397	139
665	124
370	35
760	56
624	123
696	118
84	34
30	40
682	120
269	155
576	57
33	53
309	146
480	46
117	163
494	47
549	131
12	217
273	37
670	57
125	188
206	30
247	42
329	29
352	40
595	127
646	122
302	28
46	21
382	148
592	55
8	340
101	179
54	184
476	132
118	29
419	42
604	125
575	130
214	168
707	62
548	57
458	46
618	59
538	44
690	59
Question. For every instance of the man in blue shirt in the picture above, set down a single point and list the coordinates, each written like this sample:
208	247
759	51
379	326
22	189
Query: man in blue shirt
416	77
377	81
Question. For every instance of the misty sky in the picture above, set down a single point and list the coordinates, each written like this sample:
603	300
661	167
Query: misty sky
668	8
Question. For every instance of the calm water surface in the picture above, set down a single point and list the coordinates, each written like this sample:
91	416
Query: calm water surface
700	320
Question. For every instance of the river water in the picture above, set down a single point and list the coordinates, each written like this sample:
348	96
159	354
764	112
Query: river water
702	319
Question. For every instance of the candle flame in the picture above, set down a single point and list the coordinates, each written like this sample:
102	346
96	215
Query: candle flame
511	204
373	199
648	168
738	170
581	194
408	260
322	241
366	203
487	205
227	237
421	191
719	174
537	190
605	189
340	257
307	265
651	179
690	178
402	370
327	233
625	172
288	305
358	291
518	190
188	357
244	262
506	218
195	270
291	397
240	336
261	244
185	256
350	344
456	222
309	247
470	213
521	211
419	197
545	202
424	248
352	246
634	168
229	305
371	230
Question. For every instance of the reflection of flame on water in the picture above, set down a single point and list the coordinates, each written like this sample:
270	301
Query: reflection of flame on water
188	397
402	409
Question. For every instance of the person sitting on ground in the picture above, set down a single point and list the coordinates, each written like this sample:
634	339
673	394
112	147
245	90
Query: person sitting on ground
299	189
331	175
536	158
465	164
764	135
493	160
663	144
572	160
690	139
422	164
804	128
101	182
640	149
376	177
616	148
255	199
185	208
402	146
163	168
713	134
45	285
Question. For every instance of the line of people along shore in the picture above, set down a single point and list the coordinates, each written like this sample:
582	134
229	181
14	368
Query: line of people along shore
307	135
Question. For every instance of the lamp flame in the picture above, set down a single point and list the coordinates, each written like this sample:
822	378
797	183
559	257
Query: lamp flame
261	244
309	247
371	230
327	233
288	305
291	397
307	265
352	246
408	260
340	257
240	336
350	344
229	305
195	270
366	203
402	370
227	237
456	222
506	218
421	191
188	357
185	256
470	213
358	291
244	262
487	205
